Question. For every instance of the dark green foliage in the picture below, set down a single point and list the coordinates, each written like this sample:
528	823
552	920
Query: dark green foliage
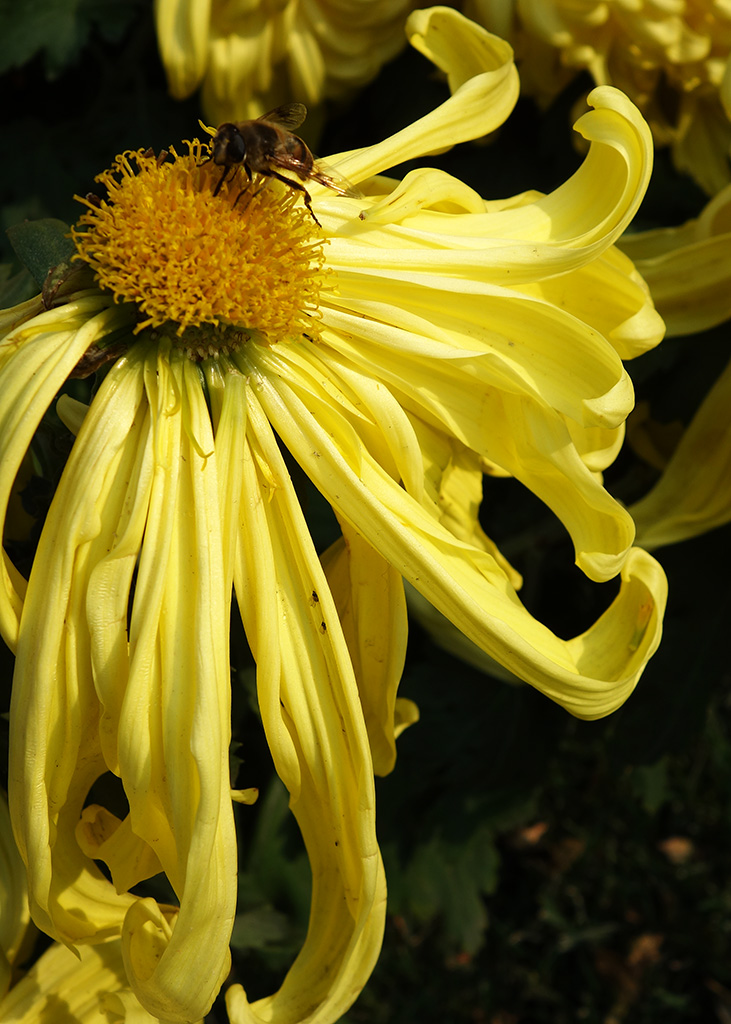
59	29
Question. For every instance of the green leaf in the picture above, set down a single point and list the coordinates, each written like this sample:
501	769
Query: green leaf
650	782
256	929
450	880
15	289
53	26
41	245
58	28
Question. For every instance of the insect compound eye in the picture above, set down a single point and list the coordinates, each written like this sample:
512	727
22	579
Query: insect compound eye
236	148
228	146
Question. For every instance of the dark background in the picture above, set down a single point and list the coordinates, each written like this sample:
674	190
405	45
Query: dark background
541	869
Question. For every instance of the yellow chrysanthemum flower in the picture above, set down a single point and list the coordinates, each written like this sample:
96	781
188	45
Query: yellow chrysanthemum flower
397	345
688	269
672	60
250	57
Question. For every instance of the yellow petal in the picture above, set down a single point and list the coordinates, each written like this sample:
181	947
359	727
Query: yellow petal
481	75
521	434
454	478
55	752
611	296
35	360
451	639
704	139
158	713
521	241
369	596
182	33
688	268
175	721
85	988
467	585
14	912
102	836
313	719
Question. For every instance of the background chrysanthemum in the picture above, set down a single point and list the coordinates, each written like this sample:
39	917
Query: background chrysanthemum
688	269
671	59
250	58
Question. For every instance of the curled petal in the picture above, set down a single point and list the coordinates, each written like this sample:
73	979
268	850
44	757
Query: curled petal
520	433
481	74
521	241
470	589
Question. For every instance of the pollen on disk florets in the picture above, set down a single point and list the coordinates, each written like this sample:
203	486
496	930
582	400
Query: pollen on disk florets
249	258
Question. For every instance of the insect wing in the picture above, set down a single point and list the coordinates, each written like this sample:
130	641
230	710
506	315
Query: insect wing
329	177
289	116
320	172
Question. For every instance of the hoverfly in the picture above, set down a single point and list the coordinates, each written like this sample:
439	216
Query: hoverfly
268	146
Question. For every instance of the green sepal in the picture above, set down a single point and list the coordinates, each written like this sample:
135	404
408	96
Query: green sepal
65	279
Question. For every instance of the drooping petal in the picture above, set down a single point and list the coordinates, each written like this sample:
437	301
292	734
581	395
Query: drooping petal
175	721
35	360
314	724
467	585
55	750
369	596
156	714
14	911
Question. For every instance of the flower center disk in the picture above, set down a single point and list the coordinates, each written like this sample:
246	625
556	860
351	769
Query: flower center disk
249	258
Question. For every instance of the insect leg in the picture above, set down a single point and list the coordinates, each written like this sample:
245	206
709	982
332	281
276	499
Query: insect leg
300	188
249	176
217	189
